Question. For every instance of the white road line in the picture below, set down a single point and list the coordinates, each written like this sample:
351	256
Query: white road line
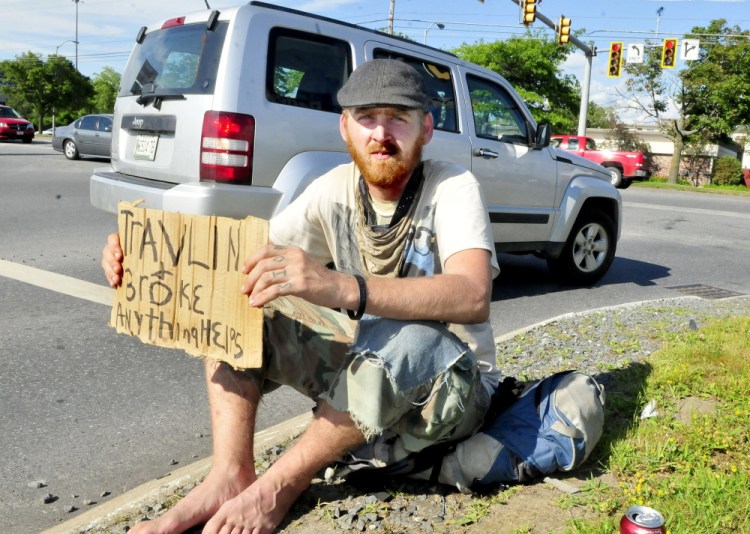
57	282
703	211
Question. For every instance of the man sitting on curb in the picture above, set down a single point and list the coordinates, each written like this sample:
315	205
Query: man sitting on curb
412	246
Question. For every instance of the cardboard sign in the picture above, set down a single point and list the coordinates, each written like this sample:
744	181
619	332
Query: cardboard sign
181	286
181	283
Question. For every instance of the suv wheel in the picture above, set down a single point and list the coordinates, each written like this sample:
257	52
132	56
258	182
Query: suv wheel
70	149
589	250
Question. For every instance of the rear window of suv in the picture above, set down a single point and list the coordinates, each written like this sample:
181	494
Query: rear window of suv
306	70
175	60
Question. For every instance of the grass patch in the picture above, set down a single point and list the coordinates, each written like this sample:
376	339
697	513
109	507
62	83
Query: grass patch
740	190
693	465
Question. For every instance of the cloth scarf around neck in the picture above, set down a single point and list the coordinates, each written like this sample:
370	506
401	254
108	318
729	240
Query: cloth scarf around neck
383	253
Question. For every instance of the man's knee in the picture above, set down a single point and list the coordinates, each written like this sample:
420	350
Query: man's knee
425	391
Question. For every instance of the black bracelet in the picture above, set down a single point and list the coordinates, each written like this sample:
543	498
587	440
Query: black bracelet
356	316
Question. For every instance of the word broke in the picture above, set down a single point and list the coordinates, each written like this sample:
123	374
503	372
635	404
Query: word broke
181	280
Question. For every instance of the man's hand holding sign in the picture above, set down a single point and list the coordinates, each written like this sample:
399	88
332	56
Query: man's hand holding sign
178	285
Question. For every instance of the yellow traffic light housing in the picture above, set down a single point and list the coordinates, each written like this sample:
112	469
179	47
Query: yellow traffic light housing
669	53
563	30
615	60
528	11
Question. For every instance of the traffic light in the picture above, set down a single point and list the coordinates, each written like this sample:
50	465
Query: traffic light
563	30
669	53
528	11
615	60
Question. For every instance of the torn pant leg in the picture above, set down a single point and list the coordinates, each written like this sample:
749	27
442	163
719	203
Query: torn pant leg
414	379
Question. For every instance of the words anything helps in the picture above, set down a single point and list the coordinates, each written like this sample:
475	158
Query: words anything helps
181	280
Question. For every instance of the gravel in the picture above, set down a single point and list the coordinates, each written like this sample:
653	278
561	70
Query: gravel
602	340
595	342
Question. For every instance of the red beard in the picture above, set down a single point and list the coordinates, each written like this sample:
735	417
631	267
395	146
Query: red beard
389	172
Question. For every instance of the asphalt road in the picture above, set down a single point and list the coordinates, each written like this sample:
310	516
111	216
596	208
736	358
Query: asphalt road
669	239
93	413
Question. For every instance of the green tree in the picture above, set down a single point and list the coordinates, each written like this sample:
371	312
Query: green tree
106	85
619	136
40	87
601	116
705	101
651	92
716	87
532	64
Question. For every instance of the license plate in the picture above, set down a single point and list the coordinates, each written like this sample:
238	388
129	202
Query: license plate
145	147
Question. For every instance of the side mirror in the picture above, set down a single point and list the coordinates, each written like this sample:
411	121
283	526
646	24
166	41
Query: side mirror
542	136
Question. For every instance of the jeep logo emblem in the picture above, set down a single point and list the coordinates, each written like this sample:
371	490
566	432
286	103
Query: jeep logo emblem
137	123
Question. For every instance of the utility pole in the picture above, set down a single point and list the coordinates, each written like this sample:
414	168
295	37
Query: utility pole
76	41
589	52
391	12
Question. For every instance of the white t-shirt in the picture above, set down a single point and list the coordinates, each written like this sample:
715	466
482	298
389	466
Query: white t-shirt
450	217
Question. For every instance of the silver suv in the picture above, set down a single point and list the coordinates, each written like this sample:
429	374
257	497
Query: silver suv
233	113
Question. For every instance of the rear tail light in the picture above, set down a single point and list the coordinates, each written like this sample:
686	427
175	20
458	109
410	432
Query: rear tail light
227	147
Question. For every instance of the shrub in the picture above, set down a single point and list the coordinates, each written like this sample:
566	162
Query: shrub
727	171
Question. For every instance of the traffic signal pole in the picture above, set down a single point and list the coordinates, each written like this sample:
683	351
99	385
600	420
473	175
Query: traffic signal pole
589	53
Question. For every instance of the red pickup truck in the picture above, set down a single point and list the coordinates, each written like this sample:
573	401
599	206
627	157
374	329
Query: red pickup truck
623	166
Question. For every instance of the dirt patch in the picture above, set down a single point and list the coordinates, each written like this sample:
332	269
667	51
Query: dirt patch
693	405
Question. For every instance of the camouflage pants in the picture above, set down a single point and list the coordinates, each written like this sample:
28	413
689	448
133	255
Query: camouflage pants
414	379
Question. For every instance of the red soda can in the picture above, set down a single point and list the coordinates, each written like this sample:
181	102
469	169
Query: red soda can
642	520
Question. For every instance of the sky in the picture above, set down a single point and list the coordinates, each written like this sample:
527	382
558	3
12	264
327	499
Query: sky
106	29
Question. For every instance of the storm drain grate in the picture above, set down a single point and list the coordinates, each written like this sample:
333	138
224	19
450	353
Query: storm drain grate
705	292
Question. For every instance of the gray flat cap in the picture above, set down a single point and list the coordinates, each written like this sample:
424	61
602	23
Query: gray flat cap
384	82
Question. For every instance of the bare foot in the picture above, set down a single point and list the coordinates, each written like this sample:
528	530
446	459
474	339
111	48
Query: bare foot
259	508
199	505
262	506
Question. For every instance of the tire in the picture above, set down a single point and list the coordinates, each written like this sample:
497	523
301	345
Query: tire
626	183
589	250
616	177
27	140
70	149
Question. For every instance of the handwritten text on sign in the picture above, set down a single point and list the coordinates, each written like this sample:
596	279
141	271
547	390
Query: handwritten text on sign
181	280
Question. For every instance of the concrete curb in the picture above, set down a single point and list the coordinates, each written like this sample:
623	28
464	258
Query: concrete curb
157	490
